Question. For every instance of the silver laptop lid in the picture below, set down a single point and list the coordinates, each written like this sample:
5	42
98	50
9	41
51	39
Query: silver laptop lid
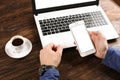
41	6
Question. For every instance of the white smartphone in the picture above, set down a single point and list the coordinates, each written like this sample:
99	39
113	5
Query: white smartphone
82	38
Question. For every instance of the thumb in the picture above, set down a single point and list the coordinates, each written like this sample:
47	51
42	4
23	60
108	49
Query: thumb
59	50
94	39
90	33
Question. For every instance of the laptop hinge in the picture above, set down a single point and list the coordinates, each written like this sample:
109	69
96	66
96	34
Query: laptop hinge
34	7
97	2
36	12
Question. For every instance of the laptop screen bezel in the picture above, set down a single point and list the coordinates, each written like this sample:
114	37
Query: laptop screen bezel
37	11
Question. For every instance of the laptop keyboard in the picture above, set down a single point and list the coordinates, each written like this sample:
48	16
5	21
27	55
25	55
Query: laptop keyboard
61	24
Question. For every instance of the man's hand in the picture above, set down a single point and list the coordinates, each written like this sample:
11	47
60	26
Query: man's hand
100	43
51	55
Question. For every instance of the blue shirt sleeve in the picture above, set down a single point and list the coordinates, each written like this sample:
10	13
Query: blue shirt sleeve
112	59
51	74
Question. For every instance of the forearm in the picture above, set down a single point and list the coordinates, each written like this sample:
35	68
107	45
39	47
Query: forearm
51	74
112	59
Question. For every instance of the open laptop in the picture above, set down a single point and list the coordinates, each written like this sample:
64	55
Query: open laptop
53	17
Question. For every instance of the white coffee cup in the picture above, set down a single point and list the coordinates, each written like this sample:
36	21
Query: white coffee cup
18	47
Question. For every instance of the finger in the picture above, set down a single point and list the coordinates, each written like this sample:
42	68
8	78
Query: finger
101	35
96	33
49	46
59	49
90	33
54	48
75	42
94	38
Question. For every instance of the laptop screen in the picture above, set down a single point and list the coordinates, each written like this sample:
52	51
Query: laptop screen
42	4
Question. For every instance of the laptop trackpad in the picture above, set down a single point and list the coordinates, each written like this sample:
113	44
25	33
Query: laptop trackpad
64	39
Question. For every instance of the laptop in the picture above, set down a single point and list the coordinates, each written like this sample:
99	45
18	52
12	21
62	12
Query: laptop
53	17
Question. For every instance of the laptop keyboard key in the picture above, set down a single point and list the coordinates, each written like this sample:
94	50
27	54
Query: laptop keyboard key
61	24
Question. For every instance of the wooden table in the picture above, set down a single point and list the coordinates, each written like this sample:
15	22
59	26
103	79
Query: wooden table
16	18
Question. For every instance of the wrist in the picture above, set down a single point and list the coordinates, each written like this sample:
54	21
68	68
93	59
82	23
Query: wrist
44	68
49	64
105	52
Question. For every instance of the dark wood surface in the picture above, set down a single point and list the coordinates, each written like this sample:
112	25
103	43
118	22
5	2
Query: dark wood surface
16	18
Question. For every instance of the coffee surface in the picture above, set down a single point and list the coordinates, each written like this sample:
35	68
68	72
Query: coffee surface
17	42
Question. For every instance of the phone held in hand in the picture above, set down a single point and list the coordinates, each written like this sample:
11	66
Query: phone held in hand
82	38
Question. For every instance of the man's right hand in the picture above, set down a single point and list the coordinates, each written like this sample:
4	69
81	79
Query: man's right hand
51	55
100	43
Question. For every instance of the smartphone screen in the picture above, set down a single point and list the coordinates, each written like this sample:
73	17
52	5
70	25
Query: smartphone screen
82	38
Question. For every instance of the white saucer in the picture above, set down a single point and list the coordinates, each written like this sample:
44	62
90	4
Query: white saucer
24	52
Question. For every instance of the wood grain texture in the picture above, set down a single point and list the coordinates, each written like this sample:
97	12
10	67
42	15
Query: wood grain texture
16	18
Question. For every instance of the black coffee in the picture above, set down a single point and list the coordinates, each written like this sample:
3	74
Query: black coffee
17	42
